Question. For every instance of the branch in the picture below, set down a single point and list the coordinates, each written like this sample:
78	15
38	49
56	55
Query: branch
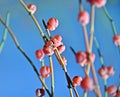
5	33
25	55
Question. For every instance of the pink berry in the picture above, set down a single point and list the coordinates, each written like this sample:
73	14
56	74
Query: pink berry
118	94
40	92
52	24
32	8
45	71
61	48
100	3
87	84
110	70
56	42
58	37
39	54
116	40
51	28
81	58
97	3
76	80
111	90
48	48
83	17
103	72
48	51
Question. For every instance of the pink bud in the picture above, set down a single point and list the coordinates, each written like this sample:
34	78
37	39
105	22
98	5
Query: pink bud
61	48
110	70
87	84
118	94
97	3
52	24
45	71
39	54
81	58
48	50
83	17
100	3
40	92
111	89
56	42
58	37
103	72
116	40
77	80
32	8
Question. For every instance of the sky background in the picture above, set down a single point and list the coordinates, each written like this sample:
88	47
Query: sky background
17	78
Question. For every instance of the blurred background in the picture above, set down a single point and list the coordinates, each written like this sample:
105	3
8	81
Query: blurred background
17	77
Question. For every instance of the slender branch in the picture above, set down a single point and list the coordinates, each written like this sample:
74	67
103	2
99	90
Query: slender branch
97	90
111	20
45	38
35	21
73	50
42	64
89	47
48	32
58	56
52	76
5	33
86	43
112	23
92	26
51	63
25	55
101	62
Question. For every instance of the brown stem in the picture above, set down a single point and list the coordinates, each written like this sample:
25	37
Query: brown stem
89	47
97	90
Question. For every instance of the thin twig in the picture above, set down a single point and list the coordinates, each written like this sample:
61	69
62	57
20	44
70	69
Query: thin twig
52	76
42	64
5	33
70	86
112	24
35	21
89	47
25	55
101	62
97	90
110	19
46	39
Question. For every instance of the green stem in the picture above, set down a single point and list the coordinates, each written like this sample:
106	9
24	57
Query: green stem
42	62
111	20
5	33
105	84
112	23
48	32
99	52
85	94
52	76
25	55
102	63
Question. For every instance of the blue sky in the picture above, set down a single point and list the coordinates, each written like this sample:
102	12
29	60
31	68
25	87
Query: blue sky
17	78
